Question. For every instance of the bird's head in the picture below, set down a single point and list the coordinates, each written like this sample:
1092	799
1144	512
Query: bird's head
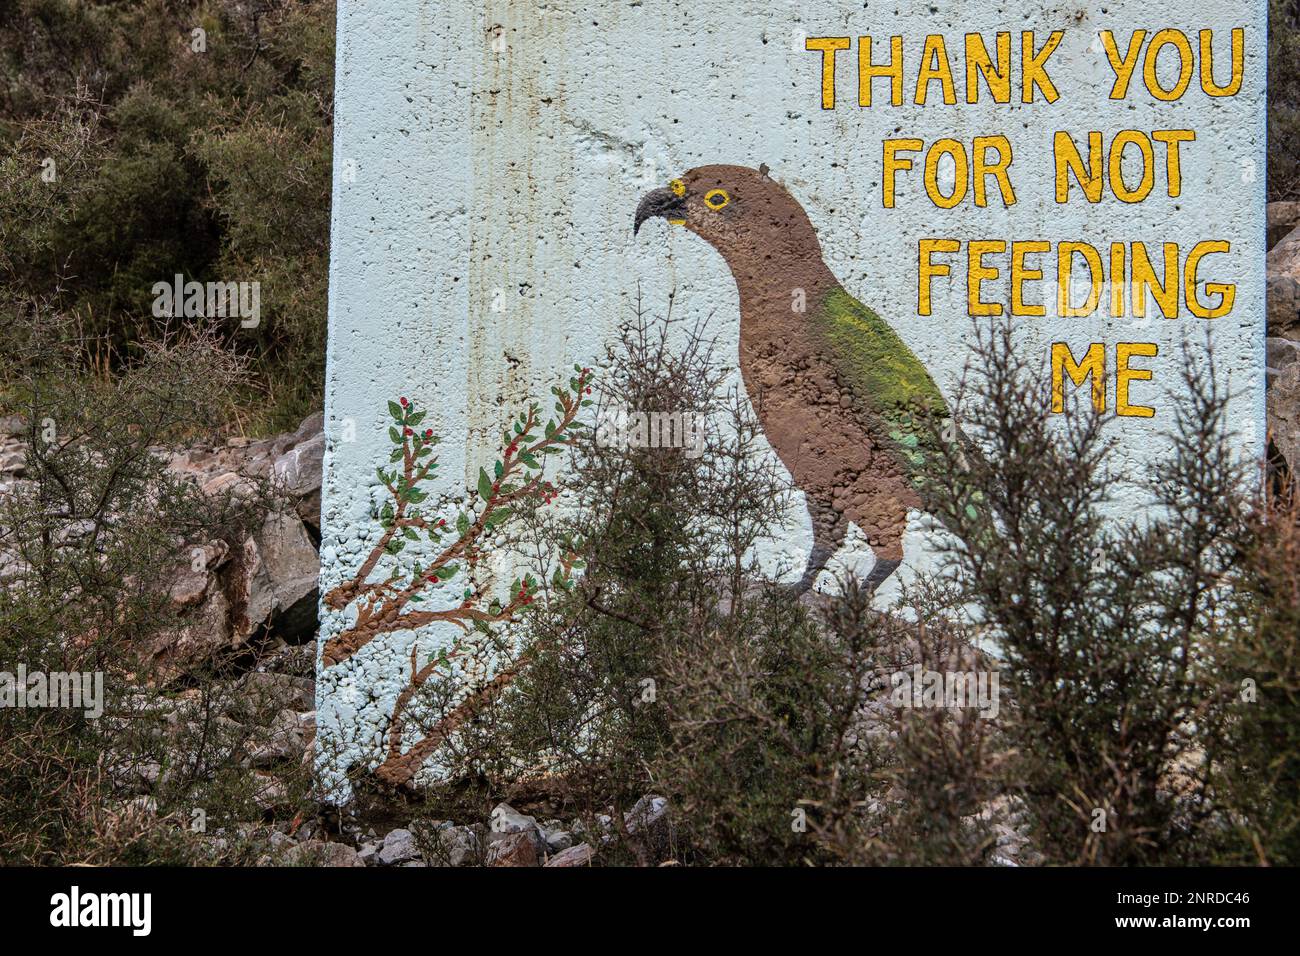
743	213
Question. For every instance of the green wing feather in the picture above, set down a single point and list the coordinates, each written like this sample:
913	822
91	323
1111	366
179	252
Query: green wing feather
887	380
889	383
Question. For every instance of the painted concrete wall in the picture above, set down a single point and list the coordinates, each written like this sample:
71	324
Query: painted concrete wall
489	158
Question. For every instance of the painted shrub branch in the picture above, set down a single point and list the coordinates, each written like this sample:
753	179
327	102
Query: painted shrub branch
384	606
392	603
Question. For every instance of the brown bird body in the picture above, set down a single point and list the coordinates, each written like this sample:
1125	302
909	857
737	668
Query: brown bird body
818	366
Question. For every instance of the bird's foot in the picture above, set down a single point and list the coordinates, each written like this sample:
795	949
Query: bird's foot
880	573
877	576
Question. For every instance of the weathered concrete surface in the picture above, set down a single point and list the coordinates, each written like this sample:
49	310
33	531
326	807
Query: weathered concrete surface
489	158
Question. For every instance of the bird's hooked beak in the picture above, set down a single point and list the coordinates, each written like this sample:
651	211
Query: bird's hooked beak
660	202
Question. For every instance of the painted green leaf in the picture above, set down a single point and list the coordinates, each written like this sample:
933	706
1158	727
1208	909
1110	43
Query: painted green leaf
484	485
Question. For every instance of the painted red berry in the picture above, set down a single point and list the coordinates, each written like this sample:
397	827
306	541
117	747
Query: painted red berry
407	431
404	402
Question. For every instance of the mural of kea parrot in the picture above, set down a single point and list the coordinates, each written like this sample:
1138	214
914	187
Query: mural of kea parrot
840	396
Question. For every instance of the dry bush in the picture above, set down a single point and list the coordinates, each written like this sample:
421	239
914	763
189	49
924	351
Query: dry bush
88	535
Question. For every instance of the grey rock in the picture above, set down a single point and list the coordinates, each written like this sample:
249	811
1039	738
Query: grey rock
281	569
275	590
506	821
557	840
297	466
580	855
195	574
262	691
1282	218
299	469
202	633
1284	399
321	854
283	740
312	425
229	482
459	846
1283	286
399	847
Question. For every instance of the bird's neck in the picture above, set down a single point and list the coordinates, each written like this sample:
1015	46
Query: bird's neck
778	293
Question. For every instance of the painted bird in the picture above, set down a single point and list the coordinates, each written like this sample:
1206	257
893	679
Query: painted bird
840	396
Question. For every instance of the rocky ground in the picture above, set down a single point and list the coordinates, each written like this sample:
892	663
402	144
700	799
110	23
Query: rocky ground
249	613
255	606
1283	265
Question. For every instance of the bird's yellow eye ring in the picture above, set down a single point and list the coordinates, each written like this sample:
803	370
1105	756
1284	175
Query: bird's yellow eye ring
678	187
715	199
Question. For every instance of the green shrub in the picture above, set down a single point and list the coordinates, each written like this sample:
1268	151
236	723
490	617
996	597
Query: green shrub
213	165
